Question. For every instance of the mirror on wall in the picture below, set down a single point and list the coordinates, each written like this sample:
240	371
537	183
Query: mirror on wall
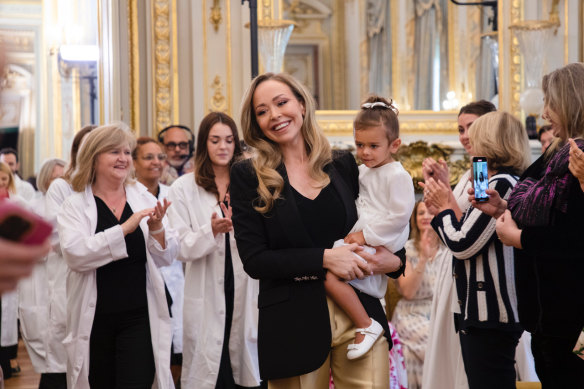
428	55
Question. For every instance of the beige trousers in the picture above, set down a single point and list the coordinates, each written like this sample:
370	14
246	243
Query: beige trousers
368	372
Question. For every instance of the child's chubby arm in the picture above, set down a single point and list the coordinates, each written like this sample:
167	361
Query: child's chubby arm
356	237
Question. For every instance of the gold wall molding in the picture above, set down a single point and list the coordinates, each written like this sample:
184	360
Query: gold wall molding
216	17
134	68
164	68
418	123
266	10
218	101
516	69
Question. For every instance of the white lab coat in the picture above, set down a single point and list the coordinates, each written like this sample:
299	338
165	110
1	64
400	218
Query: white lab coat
174	278
55	359
33	302
24	189
204	306
85	251
9	323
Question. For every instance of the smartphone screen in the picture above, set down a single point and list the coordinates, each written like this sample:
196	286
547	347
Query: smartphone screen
480	178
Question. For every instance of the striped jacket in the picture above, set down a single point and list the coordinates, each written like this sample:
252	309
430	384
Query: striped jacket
483	266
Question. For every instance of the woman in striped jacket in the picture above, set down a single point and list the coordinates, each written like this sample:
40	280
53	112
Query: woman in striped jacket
486	311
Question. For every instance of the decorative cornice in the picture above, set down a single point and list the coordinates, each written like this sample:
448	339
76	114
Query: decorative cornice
216	17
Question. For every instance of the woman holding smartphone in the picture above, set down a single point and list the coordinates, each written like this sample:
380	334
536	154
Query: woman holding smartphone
114	237
542	220
443	365
486	314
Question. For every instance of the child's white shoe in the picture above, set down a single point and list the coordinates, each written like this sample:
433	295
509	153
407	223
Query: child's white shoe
372	333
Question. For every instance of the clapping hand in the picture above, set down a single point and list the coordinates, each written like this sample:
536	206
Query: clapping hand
436	169
157	214
222	225
436	195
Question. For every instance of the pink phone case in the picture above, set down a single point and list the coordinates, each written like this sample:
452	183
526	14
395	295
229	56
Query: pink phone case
18	224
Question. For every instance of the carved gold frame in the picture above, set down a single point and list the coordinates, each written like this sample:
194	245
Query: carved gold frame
340	123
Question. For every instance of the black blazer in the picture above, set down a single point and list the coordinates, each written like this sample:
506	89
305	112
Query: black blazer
294	334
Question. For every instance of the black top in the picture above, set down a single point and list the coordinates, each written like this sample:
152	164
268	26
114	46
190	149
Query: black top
549	268
121	284
323	217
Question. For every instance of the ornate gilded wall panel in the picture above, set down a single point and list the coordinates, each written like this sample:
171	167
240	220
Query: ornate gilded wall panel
164	62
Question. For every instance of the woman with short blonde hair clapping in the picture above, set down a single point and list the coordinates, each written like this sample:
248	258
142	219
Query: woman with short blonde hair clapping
114	237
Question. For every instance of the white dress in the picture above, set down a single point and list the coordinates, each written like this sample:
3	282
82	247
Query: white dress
411	317
443	365
385	204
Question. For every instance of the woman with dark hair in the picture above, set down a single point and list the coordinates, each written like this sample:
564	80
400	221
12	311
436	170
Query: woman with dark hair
220	300
411	316
443	366
148	166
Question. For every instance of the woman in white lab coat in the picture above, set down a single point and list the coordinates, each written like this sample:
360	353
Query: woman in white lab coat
34	297
53	372
114	238
148	164
220	307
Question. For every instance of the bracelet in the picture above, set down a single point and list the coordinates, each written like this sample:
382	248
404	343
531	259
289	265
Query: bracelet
157	231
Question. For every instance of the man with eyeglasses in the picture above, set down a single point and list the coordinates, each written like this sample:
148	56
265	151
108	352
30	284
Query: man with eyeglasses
177	145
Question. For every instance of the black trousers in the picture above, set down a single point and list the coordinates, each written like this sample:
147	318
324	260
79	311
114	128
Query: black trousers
555	363
53	381
120	351
489	357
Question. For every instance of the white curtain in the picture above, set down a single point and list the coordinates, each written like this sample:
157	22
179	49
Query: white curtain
431	52
488	68
379	35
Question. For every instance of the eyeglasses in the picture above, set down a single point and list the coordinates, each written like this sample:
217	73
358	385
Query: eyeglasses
172	145
150	157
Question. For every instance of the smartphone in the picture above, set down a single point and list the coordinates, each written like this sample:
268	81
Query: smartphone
480	178
19	225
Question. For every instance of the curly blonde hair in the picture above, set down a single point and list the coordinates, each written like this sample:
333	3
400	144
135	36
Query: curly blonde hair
268	155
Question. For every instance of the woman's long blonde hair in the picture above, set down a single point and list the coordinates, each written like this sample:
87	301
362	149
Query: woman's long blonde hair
564	94
100	140
268	155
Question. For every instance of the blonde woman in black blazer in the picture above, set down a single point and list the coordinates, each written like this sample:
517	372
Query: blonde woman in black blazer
290	202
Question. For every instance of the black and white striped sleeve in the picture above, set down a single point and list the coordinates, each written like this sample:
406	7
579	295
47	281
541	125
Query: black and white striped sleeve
469	235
